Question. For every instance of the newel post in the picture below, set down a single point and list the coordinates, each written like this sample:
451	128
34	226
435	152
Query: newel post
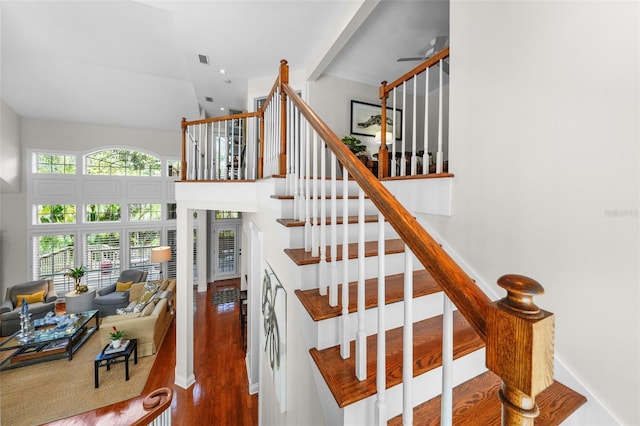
183	165
383	152
520	348
284	80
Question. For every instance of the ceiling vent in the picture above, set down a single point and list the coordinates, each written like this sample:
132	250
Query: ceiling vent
208	99
204	59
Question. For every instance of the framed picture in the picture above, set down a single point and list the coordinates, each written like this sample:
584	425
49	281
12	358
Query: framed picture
366	119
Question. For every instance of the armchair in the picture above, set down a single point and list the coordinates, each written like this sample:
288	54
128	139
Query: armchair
10	312
108	299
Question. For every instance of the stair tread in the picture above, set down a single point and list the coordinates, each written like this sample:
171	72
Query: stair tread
302	257
339	374
289	223
318	306
476	402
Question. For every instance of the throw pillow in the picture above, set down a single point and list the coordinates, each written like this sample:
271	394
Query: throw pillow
148	309
30	298
123	286
164	285
127	309
135	291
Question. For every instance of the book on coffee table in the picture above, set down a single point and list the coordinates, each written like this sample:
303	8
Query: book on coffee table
111	350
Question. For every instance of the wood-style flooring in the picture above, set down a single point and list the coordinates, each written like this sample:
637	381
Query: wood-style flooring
220	395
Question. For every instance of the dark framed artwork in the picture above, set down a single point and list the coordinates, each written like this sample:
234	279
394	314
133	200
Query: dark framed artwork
366	119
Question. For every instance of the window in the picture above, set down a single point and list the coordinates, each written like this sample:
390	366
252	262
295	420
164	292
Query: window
223	214
102	212
56	213
171	211
102	258
138	212
140	245
54	163
122	162
173	168
53	255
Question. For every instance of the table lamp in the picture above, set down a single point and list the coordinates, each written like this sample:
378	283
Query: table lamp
159	255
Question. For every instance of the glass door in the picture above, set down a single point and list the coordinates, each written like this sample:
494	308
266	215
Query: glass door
226	251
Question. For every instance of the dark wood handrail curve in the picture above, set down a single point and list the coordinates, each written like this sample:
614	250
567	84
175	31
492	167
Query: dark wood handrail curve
155	403
460	288
417	70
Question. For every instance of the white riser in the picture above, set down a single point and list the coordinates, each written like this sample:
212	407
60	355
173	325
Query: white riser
307	275
369	208
425	387
325	334
296	234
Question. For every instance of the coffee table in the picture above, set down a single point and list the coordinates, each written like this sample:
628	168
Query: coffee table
50	341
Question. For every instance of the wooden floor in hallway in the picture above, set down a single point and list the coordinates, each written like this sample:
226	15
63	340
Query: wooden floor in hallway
220	395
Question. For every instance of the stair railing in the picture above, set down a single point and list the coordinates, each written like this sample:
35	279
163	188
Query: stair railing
519	336
158	407
220	148
414	83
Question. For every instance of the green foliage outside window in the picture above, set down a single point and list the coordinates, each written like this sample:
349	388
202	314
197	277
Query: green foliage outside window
138	212
103	212
122	162
57	213
52	163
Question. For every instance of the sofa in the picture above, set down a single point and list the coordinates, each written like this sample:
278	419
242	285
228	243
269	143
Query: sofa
41	290
109	298
149	325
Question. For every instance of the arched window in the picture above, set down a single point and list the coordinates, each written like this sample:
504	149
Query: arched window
122	162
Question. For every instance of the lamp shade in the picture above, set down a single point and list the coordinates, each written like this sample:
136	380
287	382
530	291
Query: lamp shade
378	137
160	254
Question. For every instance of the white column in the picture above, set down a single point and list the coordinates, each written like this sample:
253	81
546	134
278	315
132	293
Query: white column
202	251
184	376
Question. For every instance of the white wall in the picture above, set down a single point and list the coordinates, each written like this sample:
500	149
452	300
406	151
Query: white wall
9	149
544	138
63	136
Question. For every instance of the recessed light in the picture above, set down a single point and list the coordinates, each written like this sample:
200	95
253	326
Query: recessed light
222	71
208	99
221	108
204	59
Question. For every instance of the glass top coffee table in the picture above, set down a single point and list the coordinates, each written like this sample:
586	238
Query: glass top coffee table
55	337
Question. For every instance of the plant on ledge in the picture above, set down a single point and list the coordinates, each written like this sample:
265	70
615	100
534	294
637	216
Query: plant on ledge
77	274
355	145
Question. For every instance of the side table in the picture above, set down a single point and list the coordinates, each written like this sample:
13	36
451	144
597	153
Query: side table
79	302
106	360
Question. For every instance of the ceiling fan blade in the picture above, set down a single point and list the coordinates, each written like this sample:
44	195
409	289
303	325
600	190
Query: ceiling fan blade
422	58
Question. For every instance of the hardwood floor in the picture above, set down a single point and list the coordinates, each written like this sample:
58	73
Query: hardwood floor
220	395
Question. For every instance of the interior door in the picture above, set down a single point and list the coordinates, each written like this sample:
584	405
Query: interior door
226	251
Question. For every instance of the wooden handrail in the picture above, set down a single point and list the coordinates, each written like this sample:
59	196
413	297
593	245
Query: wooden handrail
417	70
155	403
223	118
460	288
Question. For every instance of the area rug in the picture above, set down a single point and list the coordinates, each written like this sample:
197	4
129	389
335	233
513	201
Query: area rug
226	295
40	393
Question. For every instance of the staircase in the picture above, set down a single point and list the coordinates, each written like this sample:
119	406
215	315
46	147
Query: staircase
349	401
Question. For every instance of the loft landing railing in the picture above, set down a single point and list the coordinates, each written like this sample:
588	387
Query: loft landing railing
423	128
296	143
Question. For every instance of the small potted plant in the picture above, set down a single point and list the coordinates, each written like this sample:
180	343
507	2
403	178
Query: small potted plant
355	145
116	337
77	274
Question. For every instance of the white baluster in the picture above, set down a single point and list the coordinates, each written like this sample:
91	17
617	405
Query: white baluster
381	364
403	162
361	335
439	157
301	168
307	193
446	407
414	158
392	160
345	344
425	157
333	290
322	266
407	340
314	203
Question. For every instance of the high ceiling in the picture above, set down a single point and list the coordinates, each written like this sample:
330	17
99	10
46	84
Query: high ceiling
135	63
